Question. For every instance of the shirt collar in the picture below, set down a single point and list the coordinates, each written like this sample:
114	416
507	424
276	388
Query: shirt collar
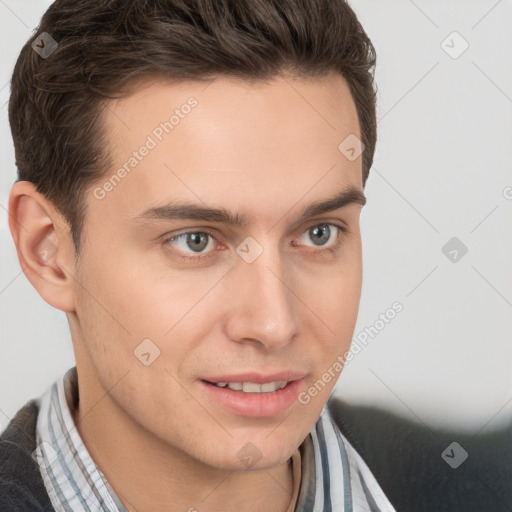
72	479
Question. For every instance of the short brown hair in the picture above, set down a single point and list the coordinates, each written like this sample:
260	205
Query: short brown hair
56	102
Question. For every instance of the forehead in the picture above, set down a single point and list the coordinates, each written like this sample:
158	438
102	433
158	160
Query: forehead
231	142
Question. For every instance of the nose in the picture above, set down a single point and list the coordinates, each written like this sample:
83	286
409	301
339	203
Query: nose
263	306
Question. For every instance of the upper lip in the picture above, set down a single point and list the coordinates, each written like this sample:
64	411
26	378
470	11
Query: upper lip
258	378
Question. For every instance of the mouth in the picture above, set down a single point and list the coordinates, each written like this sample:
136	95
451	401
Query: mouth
253	387
254	395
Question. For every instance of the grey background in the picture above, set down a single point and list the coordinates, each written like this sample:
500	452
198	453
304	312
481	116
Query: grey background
441	170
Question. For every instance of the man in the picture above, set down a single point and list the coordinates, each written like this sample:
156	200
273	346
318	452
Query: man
191	179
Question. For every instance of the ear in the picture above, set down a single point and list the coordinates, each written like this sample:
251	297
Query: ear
44	245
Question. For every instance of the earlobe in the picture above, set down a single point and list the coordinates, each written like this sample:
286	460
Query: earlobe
43	245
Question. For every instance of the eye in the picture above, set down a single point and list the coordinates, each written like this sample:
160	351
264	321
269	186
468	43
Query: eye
321	234
195	241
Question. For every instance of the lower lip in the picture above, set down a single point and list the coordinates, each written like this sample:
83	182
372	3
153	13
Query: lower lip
254	405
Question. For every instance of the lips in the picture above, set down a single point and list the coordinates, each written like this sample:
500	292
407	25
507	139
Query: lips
254	394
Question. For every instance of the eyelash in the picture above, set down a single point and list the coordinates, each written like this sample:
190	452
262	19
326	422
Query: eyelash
331	249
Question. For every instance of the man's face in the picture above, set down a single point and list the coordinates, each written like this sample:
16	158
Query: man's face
274	299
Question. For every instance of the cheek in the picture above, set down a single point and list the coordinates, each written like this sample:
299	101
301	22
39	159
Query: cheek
115	309
127	303
333	294
128	297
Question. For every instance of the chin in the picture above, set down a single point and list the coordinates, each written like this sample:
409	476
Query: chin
247	455
249	458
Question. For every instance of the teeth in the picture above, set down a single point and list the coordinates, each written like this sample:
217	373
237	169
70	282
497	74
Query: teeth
252	387
268	386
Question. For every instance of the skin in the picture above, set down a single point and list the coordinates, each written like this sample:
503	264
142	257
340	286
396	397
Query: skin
262	149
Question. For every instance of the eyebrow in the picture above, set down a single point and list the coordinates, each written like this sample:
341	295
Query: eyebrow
191	211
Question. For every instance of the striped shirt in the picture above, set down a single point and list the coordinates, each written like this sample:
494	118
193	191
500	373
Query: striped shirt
333	476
